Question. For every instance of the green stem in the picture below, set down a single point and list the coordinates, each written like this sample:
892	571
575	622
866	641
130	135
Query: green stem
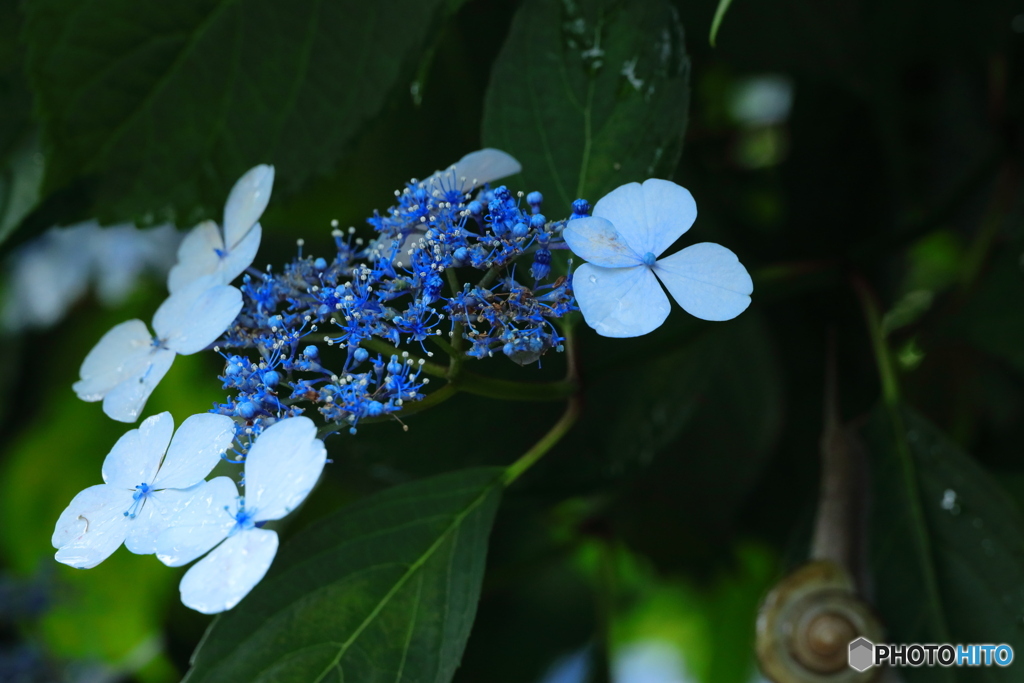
883	359
444	346
539	449
890	395
457	330
510	390
453	280
489	277
564	424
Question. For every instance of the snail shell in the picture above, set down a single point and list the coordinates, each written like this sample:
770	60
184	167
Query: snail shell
805	626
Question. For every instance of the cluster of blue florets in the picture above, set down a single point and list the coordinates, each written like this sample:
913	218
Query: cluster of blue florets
402	287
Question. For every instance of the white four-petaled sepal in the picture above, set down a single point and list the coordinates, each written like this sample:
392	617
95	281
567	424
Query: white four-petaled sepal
144	490
128	362
209	251
281	469
618	291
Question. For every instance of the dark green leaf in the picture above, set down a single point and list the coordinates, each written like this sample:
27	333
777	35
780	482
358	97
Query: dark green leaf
590	95
172	102
21	178
947	550
21	166
383	590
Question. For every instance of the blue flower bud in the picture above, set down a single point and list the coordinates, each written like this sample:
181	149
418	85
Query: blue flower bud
271	378
520	230
361	355
534	199
275	321
541	264
476	209
395	366
320	264
537	221
460	255
246	410
580	208
311	352
503	195
374	408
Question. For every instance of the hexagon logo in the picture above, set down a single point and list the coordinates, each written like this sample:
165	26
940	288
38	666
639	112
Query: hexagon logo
862	654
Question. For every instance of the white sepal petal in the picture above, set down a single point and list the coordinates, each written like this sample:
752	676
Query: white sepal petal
220	580
121	353
707	280
650	217
620	302
246	203
474	170
195	450
125	402
92	526
282	467
202	522
197	256
192	319
597	241
669	212
241	256
135	458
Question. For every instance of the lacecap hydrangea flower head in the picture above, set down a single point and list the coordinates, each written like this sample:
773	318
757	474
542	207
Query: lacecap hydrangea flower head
454	265
617	289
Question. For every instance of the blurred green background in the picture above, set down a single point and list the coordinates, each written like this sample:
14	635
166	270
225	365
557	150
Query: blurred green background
825	143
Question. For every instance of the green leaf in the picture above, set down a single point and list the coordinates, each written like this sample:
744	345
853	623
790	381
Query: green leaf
21	166
716	23
383	590
163	102
589	95
946	549
21	179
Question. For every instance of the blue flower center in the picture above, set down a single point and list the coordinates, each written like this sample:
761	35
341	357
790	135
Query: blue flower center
220	253
244	519
142	492
649	258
